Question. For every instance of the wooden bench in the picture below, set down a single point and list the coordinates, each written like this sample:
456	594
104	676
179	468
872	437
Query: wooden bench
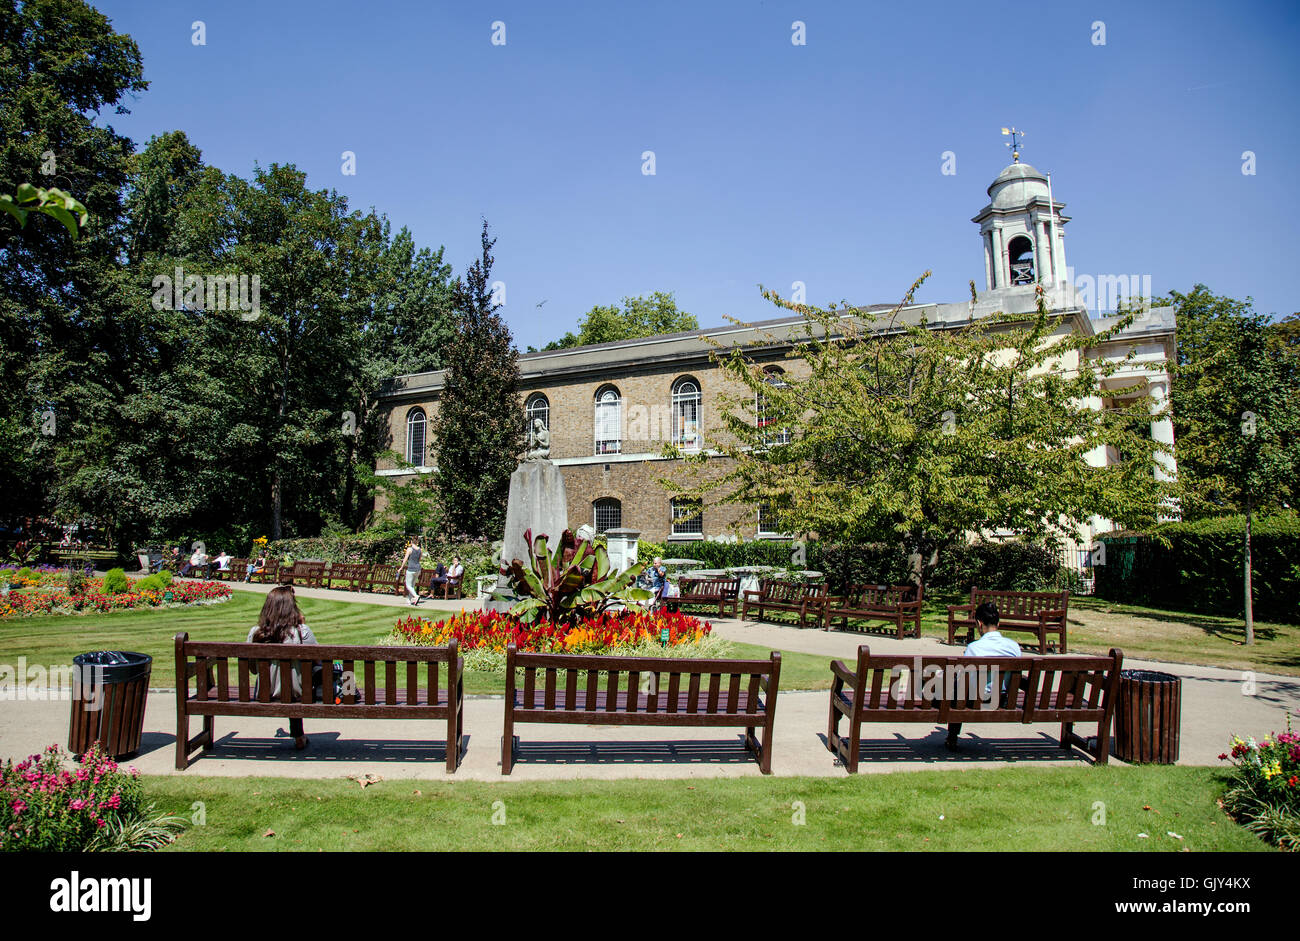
802	598
1037	612
347	575
270	574
306	574
409	693
238	569
1038	689
693	695
721	593
896	604
386	579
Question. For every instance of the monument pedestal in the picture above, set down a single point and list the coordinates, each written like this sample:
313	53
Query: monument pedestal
538	502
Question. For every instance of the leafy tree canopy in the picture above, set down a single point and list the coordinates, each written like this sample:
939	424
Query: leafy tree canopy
893	431
638	317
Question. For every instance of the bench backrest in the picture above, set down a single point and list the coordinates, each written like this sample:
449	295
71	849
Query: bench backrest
650	685
1042	688
881	596
383	576
231	672
712	587
238	568
308	574
346	571
1022	604
781	590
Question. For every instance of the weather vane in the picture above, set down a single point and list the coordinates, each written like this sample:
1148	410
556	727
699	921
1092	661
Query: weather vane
1014	143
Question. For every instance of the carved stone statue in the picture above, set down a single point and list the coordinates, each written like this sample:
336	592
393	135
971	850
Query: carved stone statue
539	442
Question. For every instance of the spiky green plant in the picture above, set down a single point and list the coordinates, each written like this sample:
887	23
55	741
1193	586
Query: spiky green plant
571	582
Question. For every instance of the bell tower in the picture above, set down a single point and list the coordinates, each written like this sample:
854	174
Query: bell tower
1021	229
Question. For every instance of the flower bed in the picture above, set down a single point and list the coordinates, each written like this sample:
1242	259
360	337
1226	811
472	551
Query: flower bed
91	599
46	807
1264	789
483	636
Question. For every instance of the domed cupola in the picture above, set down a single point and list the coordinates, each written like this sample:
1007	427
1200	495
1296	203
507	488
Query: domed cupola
1021	229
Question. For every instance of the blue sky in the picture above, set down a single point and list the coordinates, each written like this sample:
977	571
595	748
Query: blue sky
774	162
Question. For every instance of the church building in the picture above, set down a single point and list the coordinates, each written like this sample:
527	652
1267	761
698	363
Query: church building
610	408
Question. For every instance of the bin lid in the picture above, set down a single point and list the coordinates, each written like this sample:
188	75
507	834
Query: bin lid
1148	676
112	658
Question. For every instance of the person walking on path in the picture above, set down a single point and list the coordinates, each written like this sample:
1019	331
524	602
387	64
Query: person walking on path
411	564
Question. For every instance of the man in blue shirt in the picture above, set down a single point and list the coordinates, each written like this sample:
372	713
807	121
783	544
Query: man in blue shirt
990	643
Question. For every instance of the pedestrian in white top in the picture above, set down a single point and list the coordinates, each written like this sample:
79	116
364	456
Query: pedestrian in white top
990	643
411	563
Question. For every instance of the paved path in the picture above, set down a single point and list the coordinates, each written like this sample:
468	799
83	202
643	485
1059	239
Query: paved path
1216	703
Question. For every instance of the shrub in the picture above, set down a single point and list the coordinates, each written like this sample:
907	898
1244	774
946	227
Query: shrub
45	807
1199	566
115	582
150	583
1012	565
75	580
165	577
1264	787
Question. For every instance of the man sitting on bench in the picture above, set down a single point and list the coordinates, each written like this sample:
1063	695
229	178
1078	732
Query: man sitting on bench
990	643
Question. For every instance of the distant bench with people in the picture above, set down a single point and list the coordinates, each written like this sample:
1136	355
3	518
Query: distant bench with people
382	579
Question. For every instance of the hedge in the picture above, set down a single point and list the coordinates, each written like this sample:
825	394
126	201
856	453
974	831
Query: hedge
1199	567
1014	565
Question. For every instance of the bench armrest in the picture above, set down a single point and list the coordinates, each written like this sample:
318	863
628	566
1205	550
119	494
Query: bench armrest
954	608
753	594
1054	613
844	673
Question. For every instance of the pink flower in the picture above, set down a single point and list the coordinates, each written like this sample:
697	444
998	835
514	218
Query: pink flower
18	806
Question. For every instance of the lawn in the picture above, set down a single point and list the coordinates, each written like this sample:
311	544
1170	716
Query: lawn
978	809
1152	634
52	640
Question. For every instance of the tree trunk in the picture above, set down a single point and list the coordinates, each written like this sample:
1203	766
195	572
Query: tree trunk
1250	610
275	505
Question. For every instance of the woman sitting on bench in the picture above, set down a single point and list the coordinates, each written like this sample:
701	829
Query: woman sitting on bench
281	623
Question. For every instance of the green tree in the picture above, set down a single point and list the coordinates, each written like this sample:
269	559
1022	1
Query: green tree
61	66
639	317
1235	400
896	432
478	431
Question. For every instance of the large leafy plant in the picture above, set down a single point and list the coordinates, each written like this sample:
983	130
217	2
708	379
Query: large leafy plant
571	582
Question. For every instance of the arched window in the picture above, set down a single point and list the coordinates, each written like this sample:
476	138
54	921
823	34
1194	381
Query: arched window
416	425
776	435
608	514
609	421
1020	252
538	406
688	517
686	414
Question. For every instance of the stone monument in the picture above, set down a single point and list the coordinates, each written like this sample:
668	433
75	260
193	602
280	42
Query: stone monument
537	501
